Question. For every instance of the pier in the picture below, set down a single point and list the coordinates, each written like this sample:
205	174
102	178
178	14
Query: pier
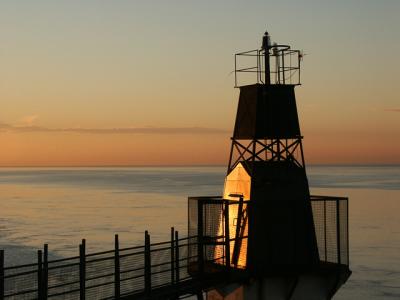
179	267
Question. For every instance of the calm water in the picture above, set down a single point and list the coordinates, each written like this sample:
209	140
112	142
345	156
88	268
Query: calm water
60	206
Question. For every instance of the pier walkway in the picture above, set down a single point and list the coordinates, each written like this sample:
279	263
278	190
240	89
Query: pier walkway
166	270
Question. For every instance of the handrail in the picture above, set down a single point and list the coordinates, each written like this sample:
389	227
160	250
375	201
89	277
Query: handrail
284	68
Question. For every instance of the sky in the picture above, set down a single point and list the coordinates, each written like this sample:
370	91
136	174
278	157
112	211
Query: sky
87	83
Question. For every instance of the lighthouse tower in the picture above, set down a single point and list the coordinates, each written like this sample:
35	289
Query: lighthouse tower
267	149
266	227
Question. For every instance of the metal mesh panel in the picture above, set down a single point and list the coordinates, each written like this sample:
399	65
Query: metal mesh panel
161	265
212	220
132	271
214	238
344	234
183	260
192	216
192	230
21	282
100	275
63	278
331	228
213	231
331	232
192	249
319	216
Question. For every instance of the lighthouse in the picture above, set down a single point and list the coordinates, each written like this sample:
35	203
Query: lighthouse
267	148
266	226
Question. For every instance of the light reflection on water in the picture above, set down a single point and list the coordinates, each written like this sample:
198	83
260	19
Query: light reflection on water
62	206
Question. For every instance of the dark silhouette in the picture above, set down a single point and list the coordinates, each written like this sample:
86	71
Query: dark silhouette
292	245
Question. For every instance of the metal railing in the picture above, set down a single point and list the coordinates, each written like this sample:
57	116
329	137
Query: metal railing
331	223
209	248
214	221
109	274
284	68
208	219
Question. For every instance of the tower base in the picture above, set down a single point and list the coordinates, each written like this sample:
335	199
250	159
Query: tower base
318	284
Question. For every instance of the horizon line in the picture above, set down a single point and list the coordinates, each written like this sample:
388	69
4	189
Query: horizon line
194	165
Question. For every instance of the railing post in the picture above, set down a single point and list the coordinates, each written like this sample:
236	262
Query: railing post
227	237
177	257
325	249
283	67
82	270
1	274
238	239
347	231
147	263
116	269
39	275
200	247
338	231
172	256
45	281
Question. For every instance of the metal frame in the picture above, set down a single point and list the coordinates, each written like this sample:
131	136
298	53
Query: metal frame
340	222
285	70
224	240
268	150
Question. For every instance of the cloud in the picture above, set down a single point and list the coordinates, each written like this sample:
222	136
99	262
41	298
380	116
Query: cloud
28	120
392	109
116	130
4	127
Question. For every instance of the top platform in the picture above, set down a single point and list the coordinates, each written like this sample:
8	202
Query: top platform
272	65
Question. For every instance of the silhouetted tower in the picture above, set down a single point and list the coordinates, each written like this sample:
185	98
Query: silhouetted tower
266	226
267	144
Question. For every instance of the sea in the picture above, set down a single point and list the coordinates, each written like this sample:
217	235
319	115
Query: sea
61	206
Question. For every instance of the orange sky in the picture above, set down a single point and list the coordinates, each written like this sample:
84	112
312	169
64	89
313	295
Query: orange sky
101	83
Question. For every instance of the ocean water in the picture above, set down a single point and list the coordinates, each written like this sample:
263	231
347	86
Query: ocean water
60	206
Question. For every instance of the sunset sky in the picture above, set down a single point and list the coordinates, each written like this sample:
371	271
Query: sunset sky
85	83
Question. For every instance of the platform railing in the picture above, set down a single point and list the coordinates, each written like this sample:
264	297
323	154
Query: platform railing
285	66
331	223
207	220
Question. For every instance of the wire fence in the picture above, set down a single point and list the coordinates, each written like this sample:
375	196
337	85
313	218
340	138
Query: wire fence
109	274
331	219
207	220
